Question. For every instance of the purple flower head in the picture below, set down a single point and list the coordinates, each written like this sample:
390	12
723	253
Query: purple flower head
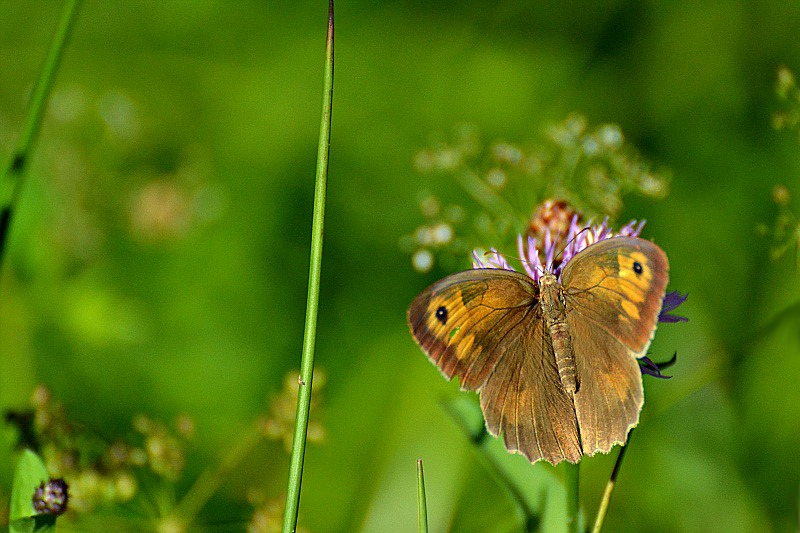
51	497
536	259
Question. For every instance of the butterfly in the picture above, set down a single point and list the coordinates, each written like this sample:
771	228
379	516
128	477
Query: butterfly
555	359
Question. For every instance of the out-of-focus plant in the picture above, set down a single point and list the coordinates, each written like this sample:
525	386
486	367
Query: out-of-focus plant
278	424
150	462
572	169
788	116
785	228
268	514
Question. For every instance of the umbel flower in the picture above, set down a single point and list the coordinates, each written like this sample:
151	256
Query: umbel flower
553	253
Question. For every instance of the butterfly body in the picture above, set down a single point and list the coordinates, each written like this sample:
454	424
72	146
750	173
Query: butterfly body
554	313
554	359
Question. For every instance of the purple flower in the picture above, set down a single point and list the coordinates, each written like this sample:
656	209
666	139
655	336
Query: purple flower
537	259
578	237
51	497
647	366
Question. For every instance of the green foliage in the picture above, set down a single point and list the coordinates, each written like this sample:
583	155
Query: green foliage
29	474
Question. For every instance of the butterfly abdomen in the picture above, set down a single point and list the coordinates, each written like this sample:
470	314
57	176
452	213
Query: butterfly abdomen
554	313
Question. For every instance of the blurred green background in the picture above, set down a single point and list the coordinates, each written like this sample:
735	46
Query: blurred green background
159	259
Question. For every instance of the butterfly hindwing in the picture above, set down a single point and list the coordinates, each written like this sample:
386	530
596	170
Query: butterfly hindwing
523	397
610	396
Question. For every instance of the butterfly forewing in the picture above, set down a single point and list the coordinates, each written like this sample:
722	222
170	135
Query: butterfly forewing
619	285
463	325
485	327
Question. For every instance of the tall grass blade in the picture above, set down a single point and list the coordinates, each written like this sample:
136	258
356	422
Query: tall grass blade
307	363
422	505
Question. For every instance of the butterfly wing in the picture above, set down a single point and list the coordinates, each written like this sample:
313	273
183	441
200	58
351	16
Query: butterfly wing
485	327
613	292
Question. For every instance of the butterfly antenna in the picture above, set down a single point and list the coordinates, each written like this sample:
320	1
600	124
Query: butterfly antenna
493	259
570	242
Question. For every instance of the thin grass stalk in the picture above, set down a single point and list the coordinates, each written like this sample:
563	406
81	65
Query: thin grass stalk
572	482
307	364
479	437
422	504
11	182
210	480
609	490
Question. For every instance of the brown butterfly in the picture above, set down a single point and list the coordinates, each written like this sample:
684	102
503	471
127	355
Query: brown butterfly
554	360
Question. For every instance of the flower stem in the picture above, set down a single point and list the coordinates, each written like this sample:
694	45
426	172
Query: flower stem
486	197
309	337
529	515
571	480
11	181
210	480
612	481
422	505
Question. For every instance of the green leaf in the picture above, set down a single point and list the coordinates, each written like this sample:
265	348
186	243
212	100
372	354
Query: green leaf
29	474
37	524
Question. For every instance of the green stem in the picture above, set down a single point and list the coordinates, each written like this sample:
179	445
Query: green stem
210	480
307	363
612	481
11	181
488	458
572	482
422	505
485	196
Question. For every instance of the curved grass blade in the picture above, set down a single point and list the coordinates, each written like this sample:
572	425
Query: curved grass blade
11	181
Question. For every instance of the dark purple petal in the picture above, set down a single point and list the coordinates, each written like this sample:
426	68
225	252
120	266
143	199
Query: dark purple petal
647	366
671	301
